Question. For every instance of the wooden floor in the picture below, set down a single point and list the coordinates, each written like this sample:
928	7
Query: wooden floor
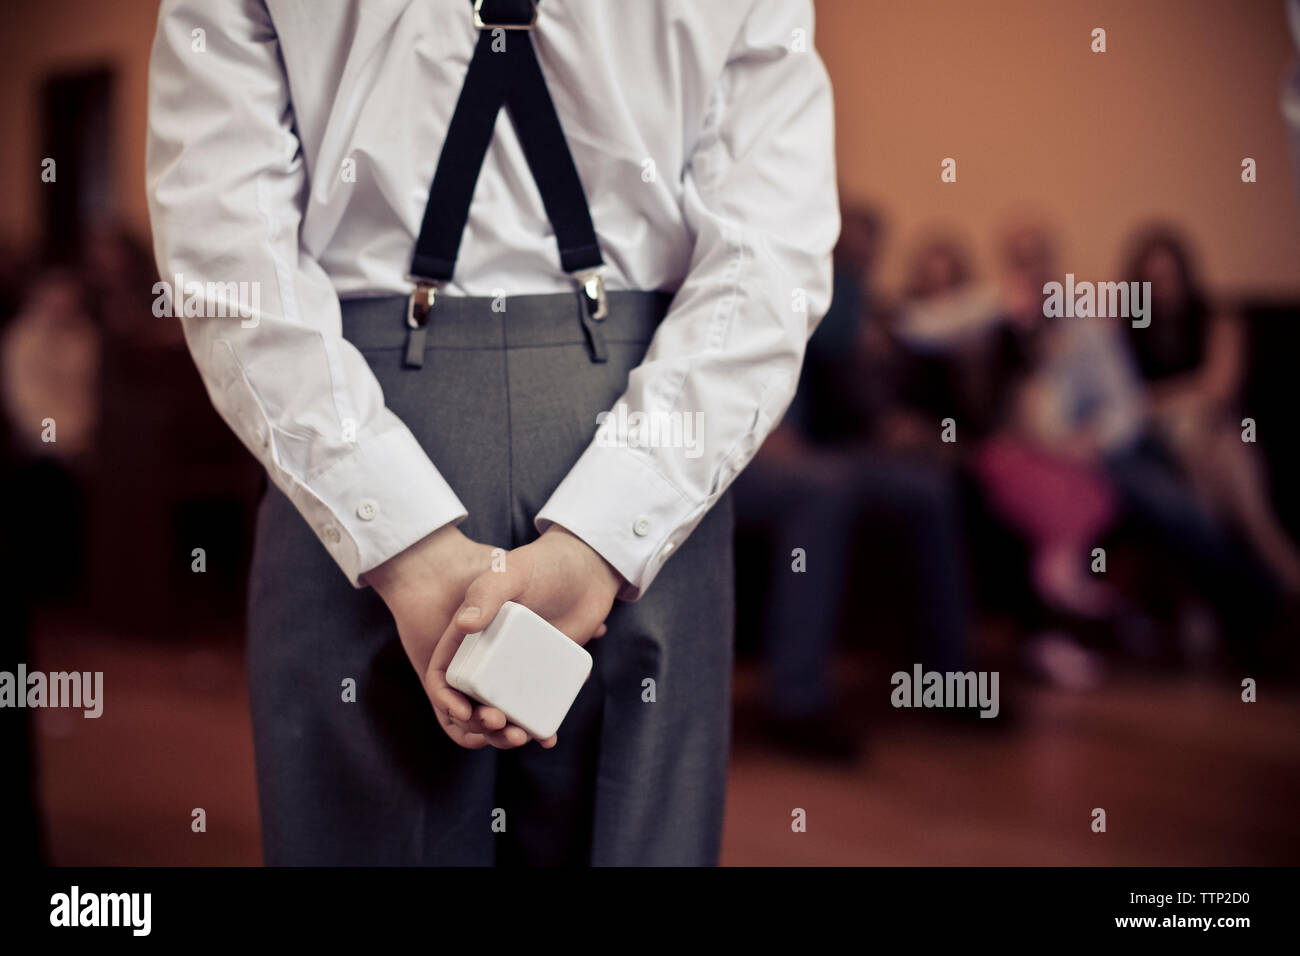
1186	772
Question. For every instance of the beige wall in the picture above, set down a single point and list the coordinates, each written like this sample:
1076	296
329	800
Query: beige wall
1156	127
39	37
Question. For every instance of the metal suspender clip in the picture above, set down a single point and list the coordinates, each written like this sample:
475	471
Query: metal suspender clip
593	308
418	308
593	291
480	24
420	304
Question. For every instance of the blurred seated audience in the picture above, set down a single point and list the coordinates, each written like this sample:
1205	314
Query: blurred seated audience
826	479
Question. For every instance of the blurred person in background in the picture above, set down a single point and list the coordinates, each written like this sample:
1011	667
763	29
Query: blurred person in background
948	325
1188	478
50	370
1070	397
18	805
826	477
49	382
1193	359
1197	578
49	379
171	476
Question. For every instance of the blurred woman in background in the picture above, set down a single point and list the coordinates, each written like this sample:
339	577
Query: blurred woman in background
1192	358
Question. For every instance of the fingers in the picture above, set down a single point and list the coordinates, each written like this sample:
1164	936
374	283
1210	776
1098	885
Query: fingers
459	735
488	725
476	719
508	737
467	723
488	591
486	719
454	704
441	694
475	725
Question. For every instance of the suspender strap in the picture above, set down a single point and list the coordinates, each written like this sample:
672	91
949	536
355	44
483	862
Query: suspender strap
538	127
511	76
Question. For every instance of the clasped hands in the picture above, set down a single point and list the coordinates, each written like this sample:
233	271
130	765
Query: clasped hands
447	586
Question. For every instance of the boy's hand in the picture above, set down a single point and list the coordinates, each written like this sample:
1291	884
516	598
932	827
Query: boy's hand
558	576
423	586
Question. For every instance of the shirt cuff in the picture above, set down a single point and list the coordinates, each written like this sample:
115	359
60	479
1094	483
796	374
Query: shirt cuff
370	503
616	501
377	502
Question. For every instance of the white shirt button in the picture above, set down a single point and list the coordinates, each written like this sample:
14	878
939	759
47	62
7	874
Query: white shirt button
367	509
641	527
330	534
260	432
667	549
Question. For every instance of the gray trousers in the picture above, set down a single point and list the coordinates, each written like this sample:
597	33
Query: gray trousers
504	405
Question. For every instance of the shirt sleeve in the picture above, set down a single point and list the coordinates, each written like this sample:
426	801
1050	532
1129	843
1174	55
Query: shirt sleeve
759	196
226	184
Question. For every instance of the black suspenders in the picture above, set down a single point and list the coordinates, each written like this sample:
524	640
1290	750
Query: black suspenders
504	71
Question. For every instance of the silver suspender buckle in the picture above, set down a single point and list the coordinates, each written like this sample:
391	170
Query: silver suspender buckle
420	304
480	24
593	291
418	309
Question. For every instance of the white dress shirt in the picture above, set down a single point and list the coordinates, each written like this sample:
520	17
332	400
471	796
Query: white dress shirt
292	144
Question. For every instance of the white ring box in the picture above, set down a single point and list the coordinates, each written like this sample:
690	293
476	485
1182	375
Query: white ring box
524	667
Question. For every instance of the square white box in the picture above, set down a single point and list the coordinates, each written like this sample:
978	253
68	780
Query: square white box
524	667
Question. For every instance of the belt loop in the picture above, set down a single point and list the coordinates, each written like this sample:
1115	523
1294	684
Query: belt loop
419	307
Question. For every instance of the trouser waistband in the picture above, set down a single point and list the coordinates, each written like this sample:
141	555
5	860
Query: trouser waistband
509	322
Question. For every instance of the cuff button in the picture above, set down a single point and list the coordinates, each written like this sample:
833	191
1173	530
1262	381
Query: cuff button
641	527
367	509
331	534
